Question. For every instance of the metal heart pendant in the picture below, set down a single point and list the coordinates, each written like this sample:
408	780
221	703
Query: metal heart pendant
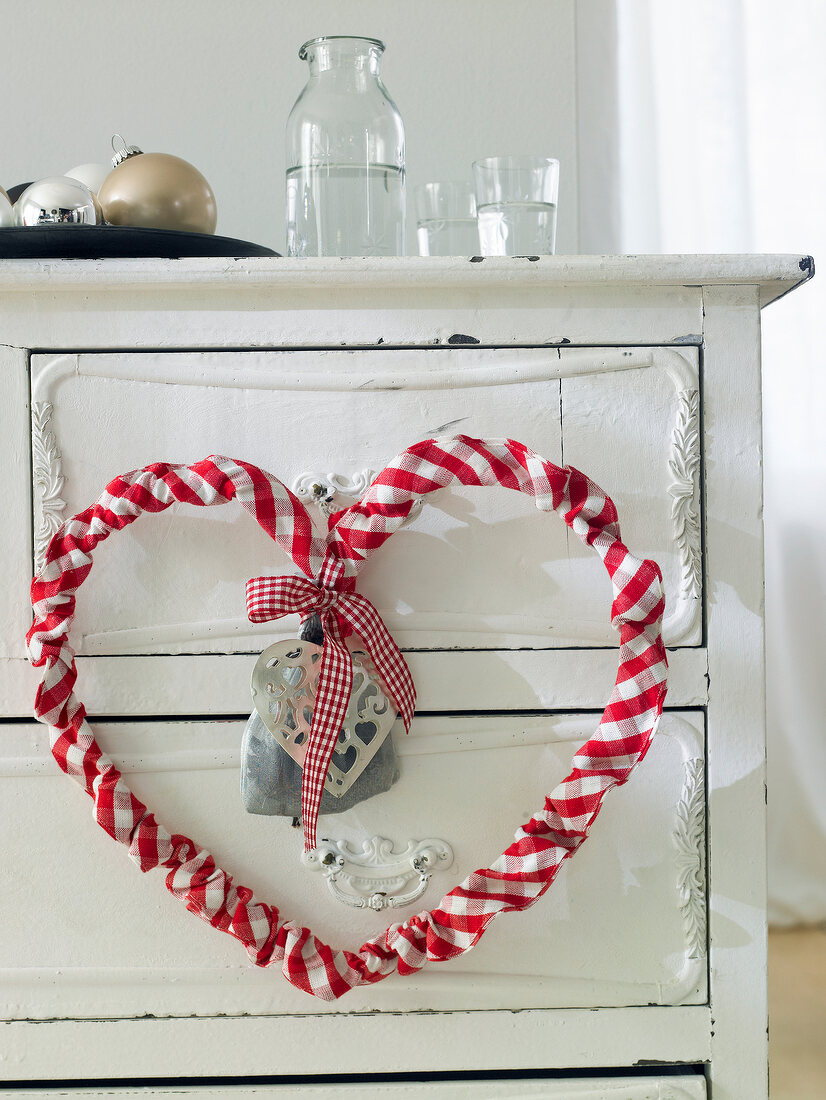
284	684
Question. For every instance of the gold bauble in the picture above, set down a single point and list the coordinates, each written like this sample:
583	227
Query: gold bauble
158	191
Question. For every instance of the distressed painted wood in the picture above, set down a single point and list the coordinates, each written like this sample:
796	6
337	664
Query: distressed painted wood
736	714
541	679
774	274
210	352
447	1042
621	416
592	1088
484	777
277	302
15	530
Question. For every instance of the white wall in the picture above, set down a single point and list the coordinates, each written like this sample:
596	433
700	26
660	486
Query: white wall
722	107
214	81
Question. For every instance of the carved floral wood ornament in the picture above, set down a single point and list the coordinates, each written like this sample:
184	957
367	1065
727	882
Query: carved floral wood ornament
526	869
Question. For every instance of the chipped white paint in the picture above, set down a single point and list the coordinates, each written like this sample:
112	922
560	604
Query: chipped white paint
245	1046
736	795
386	399
594	356
15	537
506	1088
772	274
542	679
482	775
372	370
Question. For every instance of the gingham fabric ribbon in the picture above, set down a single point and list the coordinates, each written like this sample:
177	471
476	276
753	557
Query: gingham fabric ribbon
271	598
527	868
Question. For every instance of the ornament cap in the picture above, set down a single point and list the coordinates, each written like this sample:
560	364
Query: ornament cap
122	151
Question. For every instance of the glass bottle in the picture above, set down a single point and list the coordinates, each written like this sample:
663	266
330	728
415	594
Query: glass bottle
345	155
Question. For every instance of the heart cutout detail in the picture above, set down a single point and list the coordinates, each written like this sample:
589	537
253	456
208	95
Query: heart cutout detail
526	869
284	682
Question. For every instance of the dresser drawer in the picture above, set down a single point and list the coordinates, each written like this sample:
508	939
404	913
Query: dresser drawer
622	925
571	1088
174	583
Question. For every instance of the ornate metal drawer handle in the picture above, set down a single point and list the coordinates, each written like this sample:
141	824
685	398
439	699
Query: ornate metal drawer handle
377	877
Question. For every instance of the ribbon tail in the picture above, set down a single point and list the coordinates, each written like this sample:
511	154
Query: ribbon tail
332	697
386	655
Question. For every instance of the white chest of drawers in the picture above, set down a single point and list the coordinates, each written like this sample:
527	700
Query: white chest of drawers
649	950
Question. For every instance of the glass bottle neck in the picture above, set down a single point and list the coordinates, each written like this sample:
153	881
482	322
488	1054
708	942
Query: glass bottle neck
348	60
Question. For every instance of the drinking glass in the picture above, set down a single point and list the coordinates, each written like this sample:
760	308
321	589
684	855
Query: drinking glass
516	205
446	219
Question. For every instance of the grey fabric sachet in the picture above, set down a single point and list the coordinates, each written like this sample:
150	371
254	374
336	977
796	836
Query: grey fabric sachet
271	779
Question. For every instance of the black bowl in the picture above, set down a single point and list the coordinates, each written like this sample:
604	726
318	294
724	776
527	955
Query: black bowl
98	242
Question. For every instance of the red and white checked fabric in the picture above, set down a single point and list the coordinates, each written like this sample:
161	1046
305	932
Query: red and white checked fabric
340	612
526	869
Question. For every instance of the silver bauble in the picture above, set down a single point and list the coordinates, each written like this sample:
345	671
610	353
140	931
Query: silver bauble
56	200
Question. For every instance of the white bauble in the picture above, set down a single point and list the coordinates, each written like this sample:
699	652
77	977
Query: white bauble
6	211
92	175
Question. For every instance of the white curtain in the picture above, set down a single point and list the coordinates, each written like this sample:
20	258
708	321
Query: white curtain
720	140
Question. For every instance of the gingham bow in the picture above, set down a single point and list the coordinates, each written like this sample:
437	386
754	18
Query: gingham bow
340	612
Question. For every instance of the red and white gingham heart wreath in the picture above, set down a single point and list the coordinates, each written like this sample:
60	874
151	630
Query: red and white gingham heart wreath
526	869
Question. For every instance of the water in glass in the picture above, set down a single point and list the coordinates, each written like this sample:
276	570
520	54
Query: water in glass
517	228
345	210
447	237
